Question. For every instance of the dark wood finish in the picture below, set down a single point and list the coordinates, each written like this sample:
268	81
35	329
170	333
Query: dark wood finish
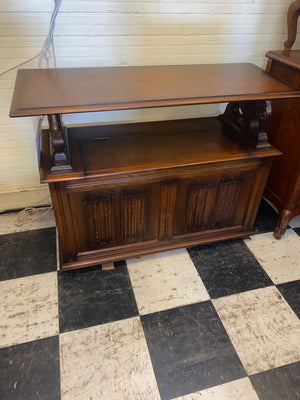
244	119
283	187
141	188
135	189
292	20
58	151
127	148
70	90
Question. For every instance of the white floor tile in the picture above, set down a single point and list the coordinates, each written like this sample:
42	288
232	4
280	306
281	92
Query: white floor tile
237	390
26	220
109	361
295	222
262	327
279	258
28	309
165	280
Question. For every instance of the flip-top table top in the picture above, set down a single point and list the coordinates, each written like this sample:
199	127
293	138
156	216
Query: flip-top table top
72	90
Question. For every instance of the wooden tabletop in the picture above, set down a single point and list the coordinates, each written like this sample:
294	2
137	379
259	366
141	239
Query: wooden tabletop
71	90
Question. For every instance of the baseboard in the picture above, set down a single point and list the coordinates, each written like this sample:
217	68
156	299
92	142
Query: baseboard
19	199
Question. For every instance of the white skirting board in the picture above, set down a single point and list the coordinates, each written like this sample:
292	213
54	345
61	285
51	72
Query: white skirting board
19	199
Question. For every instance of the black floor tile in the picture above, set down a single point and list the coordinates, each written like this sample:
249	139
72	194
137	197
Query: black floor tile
89	297
30	371
228	268
27	253
118	264
266	219
291	292
190	349
281	383
297	230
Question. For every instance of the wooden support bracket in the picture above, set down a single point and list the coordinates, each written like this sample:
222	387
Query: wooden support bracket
60	156
244	118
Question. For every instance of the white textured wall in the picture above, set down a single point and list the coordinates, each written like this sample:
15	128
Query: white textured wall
104	33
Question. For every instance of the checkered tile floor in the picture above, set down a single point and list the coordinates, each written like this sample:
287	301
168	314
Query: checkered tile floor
210	322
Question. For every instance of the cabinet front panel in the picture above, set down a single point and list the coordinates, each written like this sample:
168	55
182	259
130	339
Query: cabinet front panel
108	218
133	218
213	202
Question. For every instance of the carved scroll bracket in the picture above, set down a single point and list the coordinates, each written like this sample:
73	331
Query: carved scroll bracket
244	119
59	150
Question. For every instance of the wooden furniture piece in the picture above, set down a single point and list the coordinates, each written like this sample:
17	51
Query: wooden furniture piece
283	187
129	189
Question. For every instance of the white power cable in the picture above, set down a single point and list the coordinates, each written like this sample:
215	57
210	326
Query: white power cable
45	54
48	48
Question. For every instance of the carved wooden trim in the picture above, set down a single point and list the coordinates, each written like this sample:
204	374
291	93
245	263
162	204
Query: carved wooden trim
100	221
292	20
244	118
226	202
133	216
59	151
167	210
199	206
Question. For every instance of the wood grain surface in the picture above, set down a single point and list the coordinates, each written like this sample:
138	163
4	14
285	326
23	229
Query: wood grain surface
71	90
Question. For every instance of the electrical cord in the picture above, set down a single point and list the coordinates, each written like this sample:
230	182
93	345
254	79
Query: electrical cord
48	48
46	53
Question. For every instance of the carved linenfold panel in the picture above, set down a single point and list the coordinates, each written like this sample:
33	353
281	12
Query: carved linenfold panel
167	210
100	222
133	216
199	205
226	201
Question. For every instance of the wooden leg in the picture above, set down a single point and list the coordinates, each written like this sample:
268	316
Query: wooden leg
283	221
